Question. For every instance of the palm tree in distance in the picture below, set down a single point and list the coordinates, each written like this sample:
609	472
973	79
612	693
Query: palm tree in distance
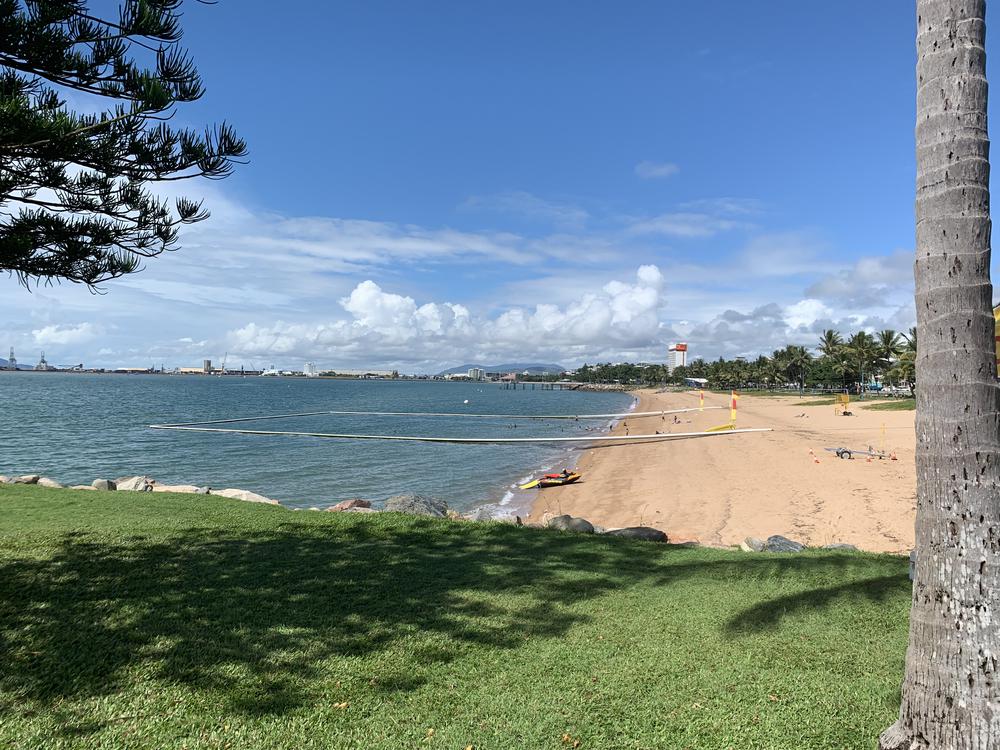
830	342
888	347
863	351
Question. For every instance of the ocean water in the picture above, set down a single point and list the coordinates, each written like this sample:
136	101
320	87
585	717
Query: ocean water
77	427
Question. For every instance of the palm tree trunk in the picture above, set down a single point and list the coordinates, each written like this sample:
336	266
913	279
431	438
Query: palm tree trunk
951	689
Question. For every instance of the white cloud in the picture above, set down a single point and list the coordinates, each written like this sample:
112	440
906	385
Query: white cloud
66	334
652	170
682	224
521	203
619	314
805	313
869	282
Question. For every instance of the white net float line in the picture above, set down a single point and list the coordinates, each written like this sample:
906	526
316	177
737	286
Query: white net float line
625	415
468	441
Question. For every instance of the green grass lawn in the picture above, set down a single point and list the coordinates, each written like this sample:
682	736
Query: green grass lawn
899	404
130	620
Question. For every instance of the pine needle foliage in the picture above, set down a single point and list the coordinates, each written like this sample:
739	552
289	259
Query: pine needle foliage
76	202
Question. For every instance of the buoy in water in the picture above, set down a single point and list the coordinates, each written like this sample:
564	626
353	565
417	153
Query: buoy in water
466	401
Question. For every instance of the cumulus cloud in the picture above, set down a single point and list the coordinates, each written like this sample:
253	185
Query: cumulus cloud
653	170
619	314
772	326
869	281
65	334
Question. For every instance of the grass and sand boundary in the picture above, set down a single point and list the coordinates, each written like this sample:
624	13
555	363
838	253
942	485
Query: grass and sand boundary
134	620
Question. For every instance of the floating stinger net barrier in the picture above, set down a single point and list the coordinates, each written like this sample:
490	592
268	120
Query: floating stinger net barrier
206	426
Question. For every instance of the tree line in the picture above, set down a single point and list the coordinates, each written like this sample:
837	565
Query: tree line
860	360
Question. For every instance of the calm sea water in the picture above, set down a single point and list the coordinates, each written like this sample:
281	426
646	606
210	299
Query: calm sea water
75	428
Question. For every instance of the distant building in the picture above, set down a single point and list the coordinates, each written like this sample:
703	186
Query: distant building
677	356
11	362
206	366
309	370
477	373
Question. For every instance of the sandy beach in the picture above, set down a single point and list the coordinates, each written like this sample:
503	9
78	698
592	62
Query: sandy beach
720	490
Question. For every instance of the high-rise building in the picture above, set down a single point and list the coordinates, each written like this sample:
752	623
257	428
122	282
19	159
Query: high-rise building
677	356
477	373
11	362
310	371
206	366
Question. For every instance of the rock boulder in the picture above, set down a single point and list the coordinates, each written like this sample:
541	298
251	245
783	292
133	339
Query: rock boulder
134	484
51	483
27	479
778	543
753	544
175	488
245	495
350	504
645	533
569	523
841	545
417	505
104	484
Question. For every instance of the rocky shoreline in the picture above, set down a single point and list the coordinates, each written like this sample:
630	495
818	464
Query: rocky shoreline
417	505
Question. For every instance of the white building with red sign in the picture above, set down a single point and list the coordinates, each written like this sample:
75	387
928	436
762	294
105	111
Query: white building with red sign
677	356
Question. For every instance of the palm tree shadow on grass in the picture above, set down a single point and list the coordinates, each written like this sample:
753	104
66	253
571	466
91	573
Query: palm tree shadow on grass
253	618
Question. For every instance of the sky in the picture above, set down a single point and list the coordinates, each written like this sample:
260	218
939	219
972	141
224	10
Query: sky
440	183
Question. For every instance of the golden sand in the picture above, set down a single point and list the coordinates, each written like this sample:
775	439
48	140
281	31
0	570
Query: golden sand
720	490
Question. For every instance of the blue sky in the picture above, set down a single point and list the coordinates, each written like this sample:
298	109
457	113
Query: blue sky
436	183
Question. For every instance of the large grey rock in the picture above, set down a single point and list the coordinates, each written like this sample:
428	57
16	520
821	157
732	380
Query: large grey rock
417	505
27	479
778	543
645	533
753	544
246	496
51	483
5	479
841	545
569	523
360	510
103	484
134	484
356	502
82	487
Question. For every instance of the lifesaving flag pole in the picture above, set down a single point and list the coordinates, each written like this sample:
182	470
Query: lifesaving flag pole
731	425
701	401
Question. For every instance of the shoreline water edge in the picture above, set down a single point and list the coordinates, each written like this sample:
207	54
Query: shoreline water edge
517	502
82	441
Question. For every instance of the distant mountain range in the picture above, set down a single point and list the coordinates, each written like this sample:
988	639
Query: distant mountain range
3	365
533	368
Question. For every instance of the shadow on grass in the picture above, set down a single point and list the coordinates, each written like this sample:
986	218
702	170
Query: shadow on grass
255	616
768	614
